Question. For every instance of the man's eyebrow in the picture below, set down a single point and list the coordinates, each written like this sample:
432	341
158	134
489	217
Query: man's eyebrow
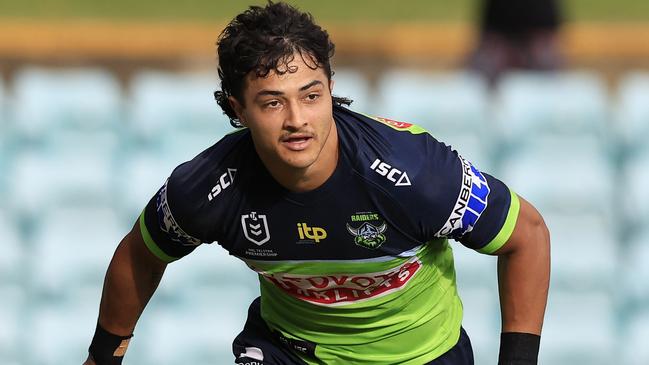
278	93
310	85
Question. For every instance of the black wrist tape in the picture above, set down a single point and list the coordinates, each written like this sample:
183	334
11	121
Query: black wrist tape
519	348
107	348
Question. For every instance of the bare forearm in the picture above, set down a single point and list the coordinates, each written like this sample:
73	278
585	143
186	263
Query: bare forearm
132	278
523	277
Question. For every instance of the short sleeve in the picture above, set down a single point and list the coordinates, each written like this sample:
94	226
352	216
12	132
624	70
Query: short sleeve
466	204
161	229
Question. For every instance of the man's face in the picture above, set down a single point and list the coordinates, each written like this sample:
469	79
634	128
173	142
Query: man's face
289	116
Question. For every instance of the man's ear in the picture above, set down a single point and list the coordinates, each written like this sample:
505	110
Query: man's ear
238	109
331	86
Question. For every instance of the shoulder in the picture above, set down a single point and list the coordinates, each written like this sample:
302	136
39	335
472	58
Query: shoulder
394	154
194	185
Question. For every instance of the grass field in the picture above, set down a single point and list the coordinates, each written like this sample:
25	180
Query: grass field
327	11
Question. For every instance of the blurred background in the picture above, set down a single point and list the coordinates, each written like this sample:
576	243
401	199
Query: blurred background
100	100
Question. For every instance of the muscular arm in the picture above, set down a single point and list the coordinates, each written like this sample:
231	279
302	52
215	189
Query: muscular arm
524	273
132	277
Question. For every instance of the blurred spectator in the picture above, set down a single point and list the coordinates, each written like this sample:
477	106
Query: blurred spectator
517	34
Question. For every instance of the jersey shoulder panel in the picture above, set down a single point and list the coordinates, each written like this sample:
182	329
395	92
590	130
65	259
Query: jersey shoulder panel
443	194
182	213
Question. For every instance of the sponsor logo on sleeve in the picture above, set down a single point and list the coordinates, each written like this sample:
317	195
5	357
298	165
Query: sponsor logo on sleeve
471	203
255	228
168	223
398	177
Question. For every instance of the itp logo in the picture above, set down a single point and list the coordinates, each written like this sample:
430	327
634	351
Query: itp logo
255	228
312	233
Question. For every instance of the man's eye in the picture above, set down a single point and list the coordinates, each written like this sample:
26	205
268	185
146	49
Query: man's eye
312	97
272	104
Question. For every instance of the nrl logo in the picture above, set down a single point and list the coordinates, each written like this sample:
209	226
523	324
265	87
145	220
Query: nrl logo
255	228
368	235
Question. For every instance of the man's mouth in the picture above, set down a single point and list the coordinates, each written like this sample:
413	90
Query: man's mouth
297	142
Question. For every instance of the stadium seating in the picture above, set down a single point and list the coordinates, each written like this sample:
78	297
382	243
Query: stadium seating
451	106
74	245
75	100
635	175
580	328
175	115
40	179
529	104
12	249
352	84
561	173
635	274
4	149
632	114
80	157
12	317
634	349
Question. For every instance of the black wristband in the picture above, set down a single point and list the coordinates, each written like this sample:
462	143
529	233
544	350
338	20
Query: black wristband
107	348
519	348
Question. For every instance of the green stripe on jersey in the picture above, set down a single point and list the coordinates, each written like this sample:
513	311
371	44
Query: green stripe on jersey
415	320
507	228
399	126
150	243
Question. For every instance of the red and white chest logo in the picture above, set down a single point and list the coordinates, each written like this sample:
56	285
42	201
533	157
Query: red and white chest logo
331	290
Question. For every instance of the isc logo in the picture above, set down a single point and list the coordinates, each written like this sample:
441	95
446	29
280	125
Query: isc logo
396	176
224	181
312	233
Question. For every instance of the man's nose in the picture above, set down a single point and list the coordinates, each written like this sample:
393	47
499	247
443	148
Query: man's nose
295	117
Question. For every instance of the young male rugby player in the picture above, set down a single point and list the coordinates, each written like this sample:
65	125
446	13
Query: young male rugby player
375	200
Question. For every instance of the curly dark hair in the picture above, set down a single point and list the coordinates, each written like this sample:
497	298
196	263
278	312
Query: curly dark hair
265	39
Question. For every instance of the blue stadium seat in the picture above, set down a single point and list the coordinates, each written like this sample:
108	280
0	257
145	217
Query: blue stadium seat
635	271
60	332
634	341
580	328
531	104
4	139
632	119
72	247
453	107
139	178
48	101
635	200
207	267
439	102
13	247
200	306
39	179
12	318
585	251
176	113
561	102
352	84
561	174
199	330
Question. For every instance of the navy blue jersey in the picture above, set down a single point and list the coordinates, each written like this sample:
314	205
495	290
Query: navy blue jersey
372	239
